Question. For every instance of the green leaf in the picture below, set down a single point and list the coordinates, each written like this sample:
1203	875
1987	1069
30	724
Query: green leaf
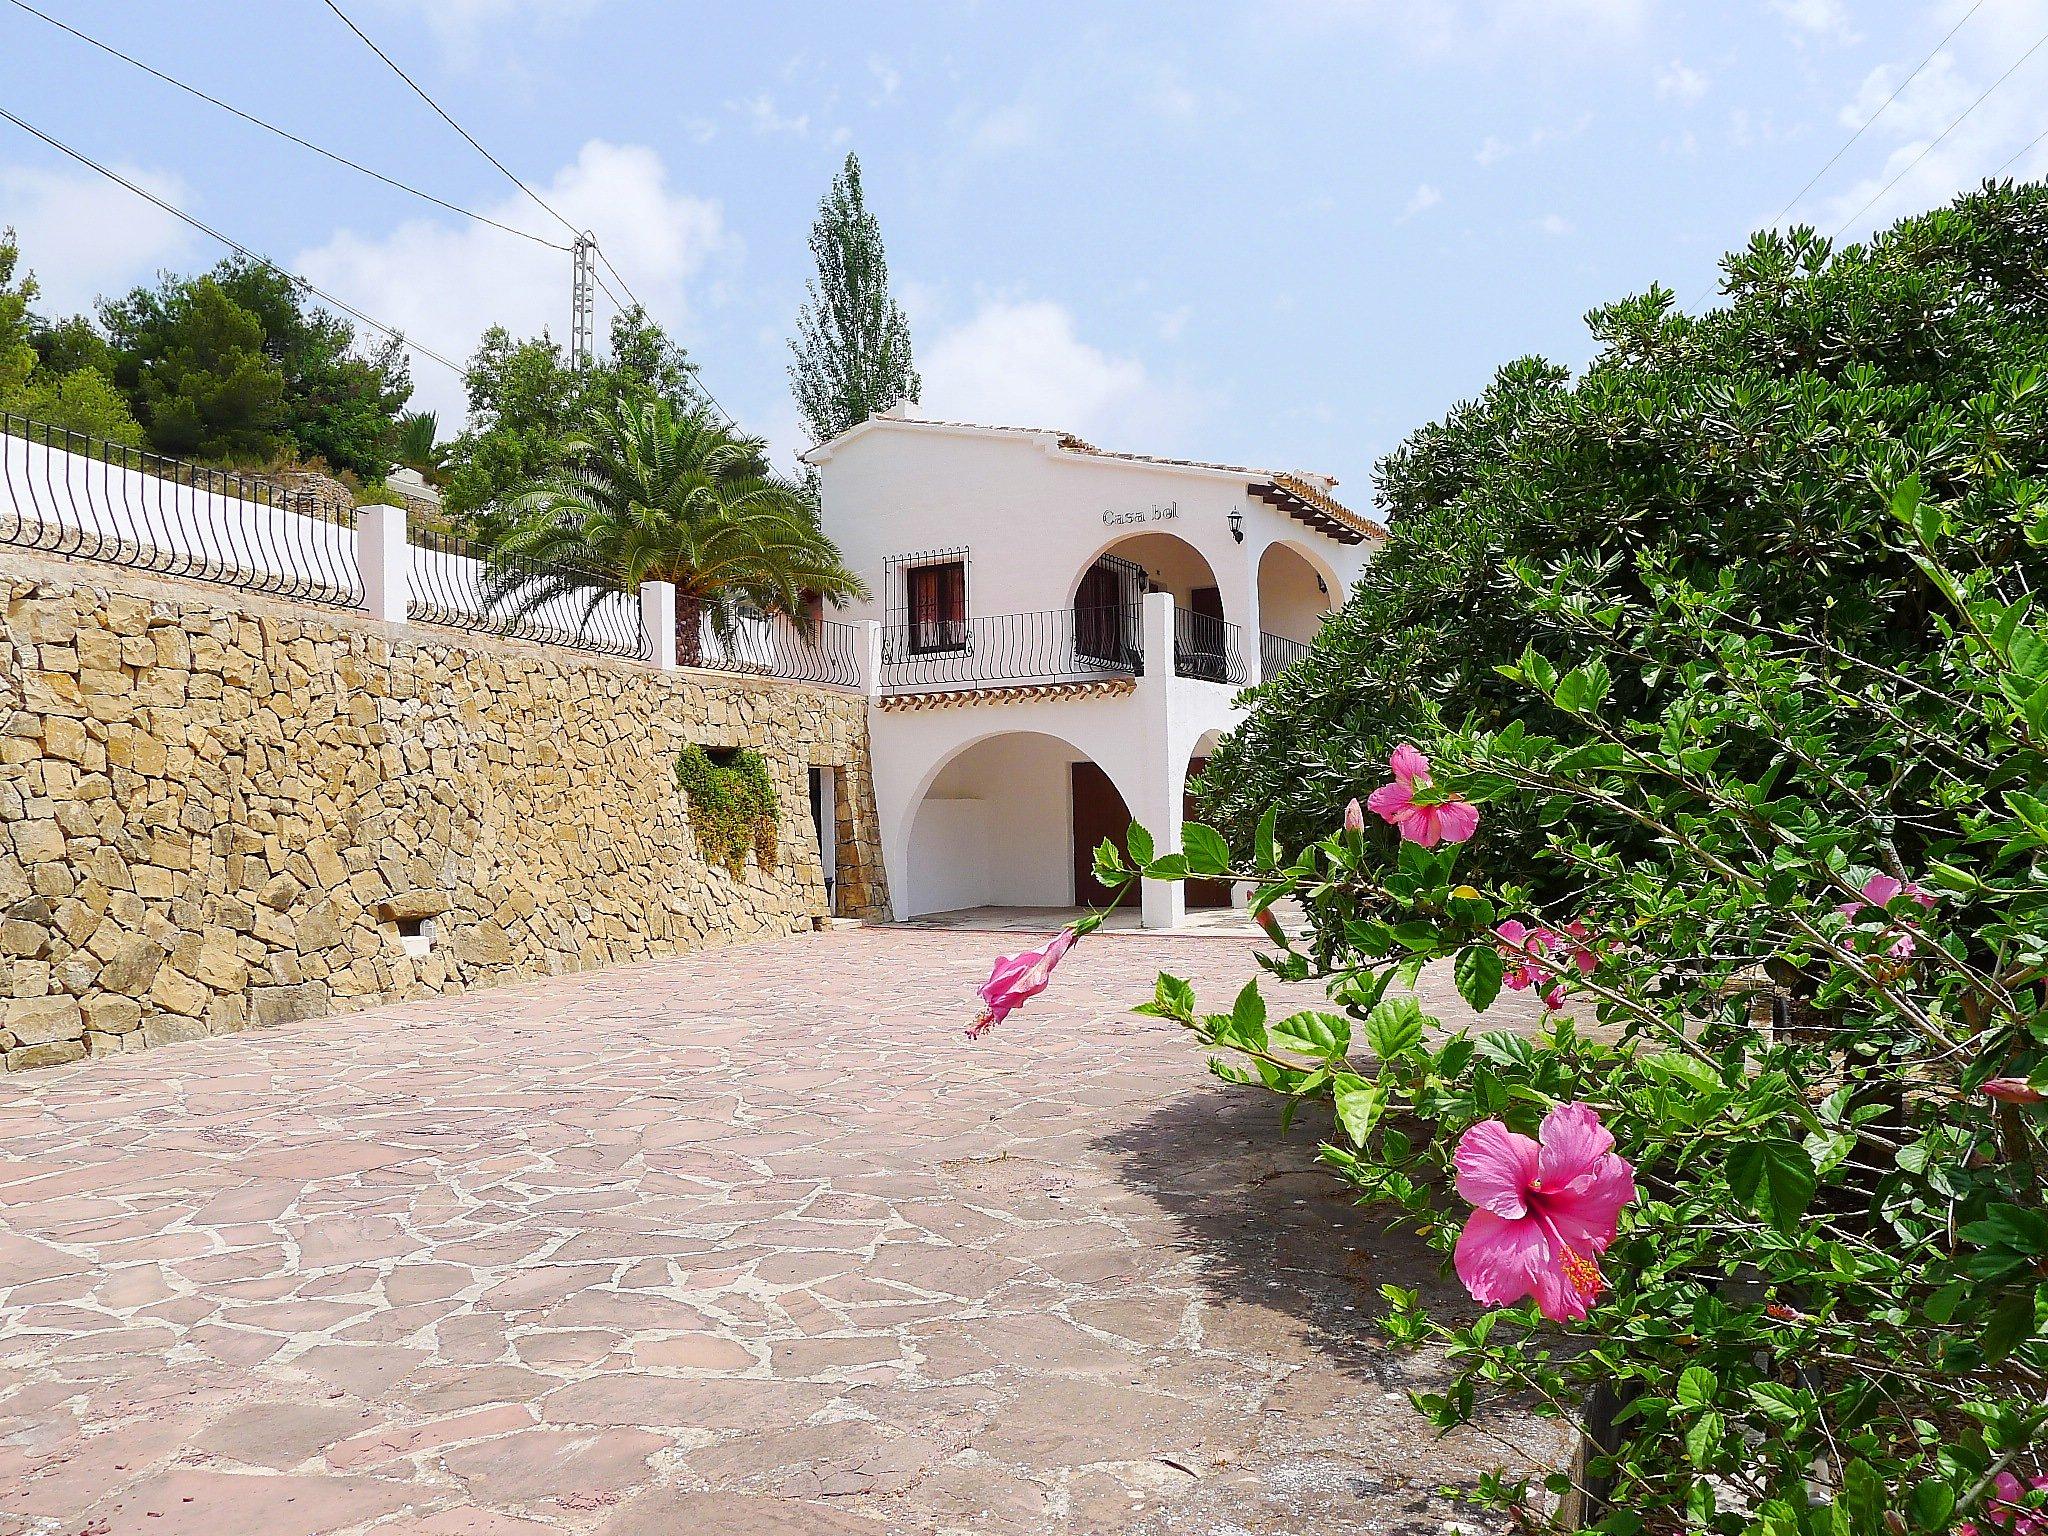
1933	1503
1359	1106
2011	1325
1139	841
1265	848
1697	1386
1314	1034
1173	998
1778	1403
1477	973
1703	1439
1207	853
1774	1178
1394	1028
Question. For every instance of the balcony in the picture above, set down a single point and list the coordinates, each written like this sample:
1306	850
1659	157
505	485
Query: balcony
1206	648
1012	650
1276	654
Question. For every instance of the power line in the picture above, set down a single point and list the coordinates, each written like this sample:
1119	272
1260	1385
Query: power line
283	133
1847	143
443	115
506	171
1931	143
2036	139
234	245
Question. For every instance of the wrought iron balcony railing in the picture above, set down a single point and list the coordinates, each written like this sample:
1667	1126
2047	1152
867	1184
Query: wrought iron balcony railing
1276	654
1062	646
774	645
1207	648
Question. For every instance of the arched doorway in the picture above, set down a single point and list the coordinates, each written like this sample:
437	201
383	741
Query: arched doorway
1012	820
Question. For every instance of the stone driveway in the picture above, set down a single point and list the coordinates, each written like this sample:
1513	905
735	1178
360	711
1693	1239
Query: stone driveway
748	1241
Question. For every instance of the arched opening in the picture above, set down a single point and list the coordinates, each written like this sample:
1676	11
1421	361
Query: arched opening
1012	821
1294	598
1108	591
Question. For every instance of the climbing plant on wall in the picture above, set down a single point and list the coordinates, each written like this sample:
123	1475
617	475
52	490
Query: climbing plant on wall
732	806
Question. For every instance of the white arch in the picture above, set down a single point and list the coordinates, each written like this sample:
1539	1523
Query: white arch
908	880
1128	535
1286	606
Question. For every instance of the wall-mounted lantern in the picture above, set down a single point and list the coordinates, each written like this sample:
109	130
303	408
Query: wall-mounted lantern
1237	524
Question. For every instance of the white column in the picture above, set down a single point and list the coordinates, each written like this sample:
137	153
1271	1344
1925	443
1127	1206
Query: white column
870	642
385	560
658	618
1157	807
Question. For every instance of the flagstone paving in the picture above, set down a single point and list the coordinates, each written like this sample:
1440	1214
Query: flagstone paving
748	1241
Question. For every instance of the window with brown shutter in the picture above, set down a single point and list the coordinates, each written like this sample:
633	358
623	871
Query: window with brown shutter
937	597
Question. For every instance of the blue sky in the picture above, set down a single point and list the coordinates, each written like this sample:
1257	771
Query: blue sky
1282	232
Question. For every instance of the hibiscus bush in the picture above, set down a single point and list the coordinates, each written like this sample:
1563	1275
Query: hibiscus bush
1762	1203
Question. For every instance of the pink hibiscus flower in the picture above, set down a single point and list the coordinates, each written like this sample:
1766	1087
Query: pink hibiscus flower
1544	1211
1881	891
1017	979
2006	1509
1524	949
1412	803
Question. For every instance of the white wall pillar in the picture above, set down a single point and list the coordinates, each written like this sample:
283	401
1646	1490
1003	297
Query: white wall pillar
1156	804
869	638
385	559
658	618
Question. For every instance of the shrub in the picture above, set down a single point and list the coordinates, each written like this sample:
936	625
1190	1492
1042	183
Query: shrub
1823	1312
1742	444
733	806
83	400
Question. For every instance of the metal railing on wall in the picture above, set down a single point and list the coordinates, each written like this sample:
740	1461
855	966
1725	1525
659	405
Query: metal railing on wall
70	493
775	645
1276	654
1205	647
1063	645
451	582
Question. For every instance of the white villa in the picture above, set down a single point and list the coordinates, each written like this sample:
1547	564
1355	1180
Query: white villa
1063	631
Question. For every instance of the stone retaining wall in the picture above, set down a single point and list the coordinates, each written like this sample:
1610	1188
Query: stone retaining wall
218	811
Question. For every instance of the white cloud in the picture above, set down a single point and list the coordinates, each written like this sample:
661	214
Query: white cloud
1171	97
1827	20
1005	128
1023	363
1493	149
460	25
1438	27
888	79
1424	198
1554	225
760	111
85	237
1174	322
1681	82
445	283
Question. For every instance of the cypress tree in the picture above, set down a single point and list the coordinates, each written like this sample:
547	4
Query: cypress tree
852	344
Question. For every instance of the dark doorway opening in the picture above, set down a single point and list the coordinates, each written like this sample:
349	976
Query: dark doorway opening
1099	812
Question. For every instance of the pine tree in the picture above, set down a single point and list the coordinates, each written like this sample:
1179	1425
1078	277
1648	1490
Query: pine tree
852	345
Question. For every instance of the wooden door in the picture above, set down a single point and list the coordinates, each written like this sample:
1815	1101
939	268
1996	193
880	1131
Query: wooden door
1099	812
1201	893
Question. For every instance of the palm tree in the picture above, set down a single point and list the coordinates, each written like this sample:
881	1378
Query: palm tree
415	447
653	493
